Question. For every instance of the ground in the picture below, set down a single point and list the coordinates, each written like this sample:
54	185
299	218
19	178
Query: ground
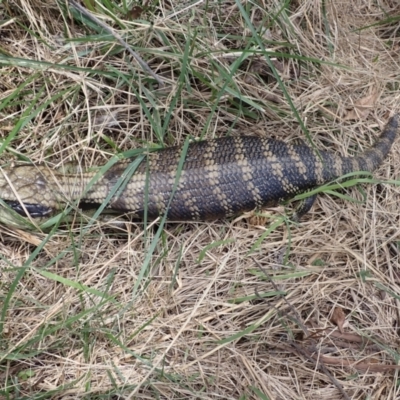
253	307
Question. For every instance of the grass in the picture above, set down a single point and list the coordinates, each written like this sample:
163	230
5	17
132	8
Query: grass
104	308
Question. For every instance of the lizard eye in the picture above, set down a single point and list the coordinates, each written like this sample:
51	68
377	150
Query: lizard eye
34	210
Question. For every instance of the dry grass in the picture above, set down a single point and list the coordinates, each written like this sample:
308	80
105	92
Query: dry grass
118	311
